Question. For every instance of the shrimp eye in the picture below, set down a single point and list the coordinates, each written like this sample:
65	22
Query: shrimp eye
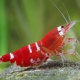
62	26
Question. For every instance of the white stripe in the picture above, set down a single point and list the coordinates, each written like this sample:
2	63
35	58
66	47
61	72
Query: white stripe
61	33
59	28
38	48
11	56
29	47
0	56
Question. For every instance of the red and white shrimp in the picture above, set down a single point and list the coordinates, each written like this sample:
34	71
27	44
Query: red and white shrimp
38	52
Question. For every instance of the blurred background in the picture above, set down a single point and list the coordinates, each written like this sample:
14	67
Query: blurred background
23	22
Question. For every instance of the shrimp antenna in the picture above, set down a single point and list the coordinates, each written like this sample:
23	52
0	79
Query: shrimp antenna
67	12
59	11
77	20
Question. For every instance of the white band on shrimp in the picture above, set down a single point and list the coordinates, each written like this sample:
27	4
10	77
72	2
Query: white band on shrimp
59	28
11	56
29	47
37	46
61	33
